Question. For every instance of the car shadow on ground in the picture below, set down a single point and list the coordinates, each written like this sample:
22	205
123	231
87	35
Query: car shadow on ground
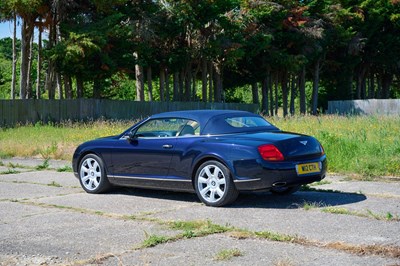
156	194
255	199
296	200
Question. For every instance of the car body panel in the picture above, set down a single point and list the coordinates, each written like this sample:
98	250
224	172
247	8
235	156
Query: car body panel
171	162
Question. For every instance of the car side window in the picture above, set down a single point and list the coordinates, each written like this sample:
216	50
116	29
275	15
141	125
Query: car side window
162	128
190	128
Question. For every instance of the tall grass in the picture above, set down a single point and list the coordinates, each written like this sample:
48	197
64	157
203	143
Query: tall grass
369	146
54	141
365	145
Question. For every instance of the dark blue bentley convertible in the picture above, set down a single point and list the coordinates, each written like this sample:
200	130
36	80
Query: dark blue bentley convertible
216	153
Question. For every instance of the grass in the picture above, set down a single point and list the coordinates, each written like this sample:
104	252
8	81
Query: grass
65	168
344	211
44	165
9	171
154	240
53	141
54	184
366	146
211	228
198	228
227	254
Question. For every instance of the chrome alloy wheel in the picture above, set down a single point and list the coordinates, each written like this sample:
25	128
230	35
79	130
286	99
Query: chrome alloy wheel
90	174
211	183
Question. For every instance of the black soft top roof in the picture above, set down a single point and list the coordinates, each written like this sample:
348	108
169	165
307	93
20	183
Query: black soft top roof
213	121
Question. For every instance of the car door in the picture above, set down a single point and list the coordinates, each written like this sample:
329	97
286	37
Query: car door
145	157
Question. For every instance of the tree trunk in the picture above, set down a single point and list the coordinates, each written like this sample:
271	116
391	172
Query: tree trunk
29	90
254	91
139	80
364	87
276	93
210	81
68	87
292	95
271	95
181	85
379	89
50	74
26	38
360	81
167	89
175	96
14	58
371	88
204	80
315	88
49	83
79	87
194	83
218	83
188	82
150	83
302	90
349	86
284	93
387	79
96	88
162	84
60	86
264	95
39	64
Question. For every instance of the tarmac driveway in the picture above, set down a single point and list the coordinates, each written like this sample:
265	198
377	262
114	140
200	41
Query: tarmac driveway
46	218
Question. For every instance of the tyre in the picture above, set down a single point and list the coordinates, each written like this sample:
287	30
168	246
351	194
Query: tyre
92	174
214	185
285	190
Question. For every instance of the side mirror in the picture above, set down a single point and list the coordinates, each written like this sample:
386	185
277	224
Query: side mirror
132	136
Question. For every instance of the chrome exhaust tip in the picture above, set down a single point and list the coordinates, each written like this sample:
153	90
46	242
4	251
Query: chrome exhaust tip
279	184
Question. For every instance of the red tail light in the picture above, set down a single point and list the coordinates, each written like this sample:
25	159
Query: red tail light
270	153
322	150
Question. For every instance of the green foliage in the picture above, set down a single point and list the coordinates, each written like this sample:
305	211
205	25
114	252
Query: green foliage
154	240
198	228
44	165
227	254
368	146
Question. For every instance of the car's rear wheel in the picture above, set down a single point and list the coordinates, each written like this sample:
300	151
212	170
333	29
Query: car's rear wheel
214	185
92	174
285	190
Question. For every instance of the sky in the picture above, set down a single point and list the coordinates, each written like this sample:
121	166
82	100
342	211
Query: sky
6	30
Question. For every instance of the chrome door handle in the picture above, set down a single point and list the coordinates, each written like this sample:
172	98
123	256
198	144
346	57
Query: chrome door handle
167	146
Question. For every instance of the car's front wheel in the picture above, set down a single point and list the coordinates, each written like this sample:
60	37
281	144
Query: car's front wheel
92	174
214	185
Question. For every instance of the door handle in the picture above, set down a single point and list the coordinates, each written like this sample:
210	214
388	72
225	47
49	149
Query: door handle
167	146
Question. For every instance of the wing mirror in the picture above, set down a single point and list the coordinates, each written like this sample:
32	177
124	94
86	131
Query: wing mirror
132	136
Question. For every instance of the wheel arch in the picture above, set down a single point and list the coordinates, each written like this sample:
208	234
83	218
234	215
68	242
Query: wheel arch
205	158
86	152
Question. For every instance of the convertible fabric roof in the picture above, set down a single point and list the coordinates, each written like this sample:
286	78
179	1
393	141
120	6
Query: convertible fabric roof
213	121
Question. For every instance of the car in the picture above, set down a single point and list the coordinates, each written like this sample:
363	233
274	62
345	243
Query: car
215	153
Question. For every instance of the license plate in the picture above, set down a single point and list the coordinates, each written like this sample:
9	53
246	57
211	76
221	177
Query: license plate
308	168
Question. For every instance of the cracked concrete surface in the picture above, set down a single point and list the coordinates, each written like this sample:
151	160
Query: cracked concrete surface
46	218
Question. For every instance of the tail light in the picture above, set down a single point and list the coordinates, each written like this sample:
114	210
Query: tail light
270	153
322	150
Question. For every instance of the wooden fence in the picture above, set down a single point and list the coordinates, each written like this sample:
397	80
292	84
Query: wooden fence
365	107
31	111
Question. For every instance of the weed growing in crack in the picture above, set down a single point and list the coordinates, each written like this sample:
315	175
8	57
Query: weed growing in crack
227	254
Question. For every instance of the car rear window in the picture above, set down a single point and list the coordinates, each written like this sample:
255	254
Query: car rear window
247	121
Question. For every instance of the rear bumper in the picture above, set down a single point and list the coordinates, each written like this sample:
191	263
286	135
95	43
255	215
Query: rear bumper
255	175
